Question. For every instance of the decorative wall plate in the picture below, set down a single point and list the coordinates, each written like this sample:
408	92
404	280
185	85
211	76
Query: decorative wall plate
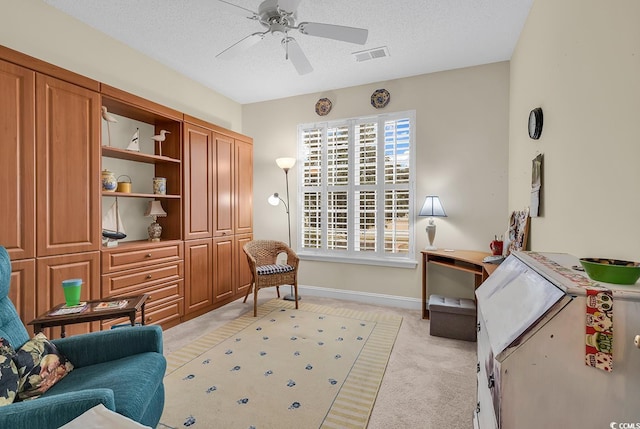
323	106
380	98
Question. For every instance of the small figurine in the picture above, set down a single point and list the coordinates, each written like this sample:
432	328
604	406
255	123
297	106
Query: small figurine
134	145
109	118
160	138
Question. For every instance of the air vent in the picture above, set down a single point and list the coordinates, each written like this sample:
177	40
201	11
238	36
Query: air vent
371	54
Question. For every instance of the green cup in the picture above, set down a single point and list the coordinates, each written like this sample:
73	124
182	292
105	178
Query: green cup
72	289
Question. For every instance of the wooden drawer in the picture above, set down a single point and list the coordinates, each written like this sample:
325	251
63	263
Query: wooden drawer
159	294
167	313
133	281
138	255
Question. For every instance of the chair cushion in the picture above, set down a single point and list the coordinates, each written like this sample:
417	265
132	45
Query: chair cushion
40	366
9	378
273	269
134	380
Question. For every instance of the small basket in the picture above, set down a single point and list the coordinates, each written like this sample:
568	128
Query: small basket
124	187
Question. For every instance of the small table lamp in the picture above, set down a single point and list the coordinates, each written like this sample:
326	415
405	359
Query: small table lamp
154	210
432	207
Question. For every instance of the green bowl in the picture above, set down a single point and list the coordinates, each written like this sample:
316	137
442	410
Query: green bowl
611	270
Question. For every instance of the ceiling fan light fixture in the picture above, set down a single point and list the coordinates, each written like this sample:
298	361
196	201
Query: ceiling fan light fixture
278	17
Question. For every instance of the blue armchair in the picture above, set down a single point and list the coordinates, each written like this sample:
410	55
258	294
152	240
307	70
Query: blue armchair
122	369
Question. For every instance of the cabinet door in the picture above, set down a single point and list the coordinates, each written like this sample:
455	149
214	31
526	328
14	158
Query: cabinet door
243	187
17	162
223	185
22	290
223	256
53	270
242	272
68	159
198	183
198	260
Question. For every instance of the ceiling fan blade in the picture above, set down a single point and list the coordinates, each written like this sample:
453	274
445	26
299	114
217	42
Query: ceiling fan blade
297	57
289	6
336	32
238	10
240	46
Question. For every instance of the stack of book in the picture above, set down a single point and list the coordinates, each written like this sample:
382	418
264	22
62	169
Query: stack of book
69	309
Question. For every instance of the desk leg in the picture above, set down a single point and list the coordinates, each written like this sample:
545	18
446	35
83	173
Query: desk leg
63	332
142	313
425	261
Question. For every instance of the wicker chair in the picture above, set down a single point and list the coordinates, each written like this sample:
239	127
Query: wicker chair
265	270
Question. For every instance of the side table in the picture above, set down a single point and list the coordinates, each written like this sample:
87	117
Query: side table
90	314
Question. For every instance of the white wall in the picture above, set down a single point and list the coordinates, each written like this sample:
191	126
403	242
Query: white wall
43	32
462	138
580	61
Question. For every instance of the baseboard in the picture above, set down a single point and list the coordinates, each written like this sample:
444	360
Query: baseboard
361	297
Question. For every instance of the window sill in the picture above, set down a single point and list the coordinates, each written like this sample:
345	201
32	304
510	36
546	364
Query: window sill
395	262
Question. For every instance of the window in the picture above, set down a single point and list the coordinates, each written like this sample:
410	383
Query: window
356	189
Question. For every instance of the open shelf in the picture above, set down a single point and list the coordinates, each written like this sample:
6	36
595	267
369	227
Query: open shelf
114	152
138	195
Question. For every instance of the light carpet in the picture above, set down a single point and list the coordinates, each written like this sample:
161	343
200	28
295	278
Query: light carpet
316	367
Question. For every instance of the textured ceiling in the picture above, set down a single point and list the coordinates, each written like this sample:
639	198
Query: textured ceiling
422	36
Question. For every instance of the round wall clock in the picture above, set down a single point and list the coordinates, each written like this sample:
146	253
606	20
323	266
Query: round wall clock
535	123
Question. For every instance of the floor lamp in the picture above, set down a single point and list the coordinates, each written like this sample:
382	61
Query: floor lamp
285	164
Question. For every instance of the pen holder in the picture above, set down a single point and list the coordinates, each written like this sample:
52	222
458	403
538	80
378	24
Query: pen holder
496	247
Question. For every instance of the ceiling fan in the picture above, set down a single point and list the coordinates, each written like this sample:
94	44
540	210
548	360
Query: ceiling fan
279	17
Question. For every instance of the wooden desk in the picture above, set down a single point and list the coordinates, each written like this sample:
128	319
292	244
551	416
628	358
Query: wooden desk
462	260
90	314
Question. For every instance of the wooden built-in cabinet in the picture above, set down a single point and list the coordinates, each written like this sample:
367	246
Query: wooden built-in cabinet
218	182
51	118
52	270
198	295
22	291
223	268
243	187
68	160
18	160
137	268
198	182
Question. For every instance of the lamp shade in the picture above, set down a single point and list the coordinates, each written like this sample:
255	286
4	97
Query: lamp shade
286	163
154	208
432	207
274	199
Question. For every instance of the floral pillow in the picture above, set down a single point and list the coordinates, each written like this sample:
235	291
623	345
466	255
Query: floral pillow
8	374
40	366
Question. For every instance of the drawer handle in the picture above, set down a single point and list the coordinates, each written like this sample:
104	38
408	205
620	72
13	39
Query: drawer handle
149	276
149	319
478	367
478	326
492	381
148	255
478	408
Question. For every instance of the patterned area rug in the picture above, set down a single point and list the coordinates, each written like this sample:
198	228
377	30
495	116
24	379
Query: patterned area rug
316	367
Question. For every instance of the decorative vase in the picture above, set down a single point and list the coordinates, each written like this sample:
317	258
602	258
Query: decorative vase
109	182
159	185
